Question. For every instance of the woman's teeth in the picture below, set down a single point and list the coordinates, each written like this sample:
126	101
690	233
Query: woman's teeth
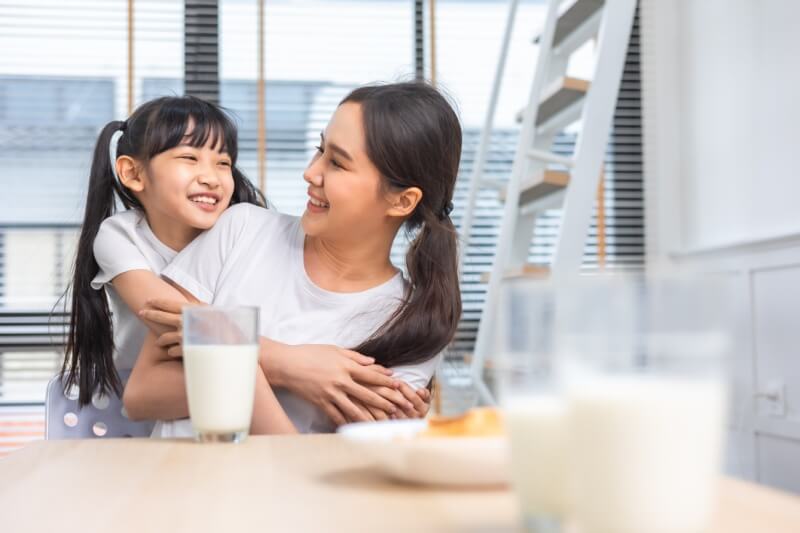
205	200
317	203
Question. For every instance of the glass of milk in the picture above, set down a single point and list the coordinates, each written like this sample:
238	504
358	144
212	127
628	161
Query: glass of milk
533	403
220	360
642	361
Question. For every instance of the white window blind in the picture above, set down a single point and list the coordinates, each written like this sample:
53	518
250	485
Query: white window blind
64	76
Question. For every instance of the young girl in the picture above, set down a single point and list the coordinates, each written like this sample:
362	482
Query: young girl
172	165
388	158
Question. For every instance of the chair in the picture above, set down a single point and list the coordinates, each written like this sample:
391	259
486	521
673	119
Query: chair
104	417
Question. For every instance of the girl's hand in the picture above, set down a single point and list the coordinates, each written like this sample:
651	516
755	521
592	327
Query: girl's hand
164	312
343	383
167	313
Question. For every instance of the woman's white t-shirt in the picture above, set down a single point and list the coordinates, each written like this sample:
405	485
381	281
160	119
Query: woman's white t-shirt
253	256
125	242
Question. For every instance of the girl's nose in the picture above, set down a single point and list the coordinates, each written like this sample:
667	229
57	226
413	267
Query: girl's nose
209	178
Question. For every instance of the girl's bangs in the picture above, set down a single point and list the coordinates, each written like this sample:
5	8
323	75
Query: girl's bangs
194	125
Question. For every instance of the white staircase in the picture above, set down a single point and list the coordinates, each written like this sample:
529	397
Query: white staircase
540	179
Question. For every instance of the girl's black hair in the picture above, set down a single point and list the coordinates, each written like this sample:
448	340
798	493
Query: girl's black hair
155	127
413	137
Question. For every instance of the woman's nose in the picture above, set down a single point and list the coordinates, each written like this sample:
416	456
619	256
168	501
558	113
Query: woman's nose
313	175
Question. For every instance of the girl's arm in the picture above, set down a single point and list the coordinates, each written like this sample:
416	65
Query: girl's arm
136	287
155	388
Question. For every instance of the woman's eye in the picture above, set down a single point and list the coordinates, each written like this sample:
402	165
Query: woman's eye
319	149
335	163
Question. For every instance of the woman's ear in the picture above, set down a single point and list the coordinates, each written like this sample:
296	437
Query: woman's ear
403	203
129	175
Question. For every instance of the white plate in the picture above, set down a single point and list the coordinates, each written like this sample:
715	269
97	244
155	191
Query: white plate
451	461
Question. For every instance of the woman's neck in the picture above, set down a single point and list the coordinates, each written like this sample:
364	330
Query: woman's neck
347	267
171	233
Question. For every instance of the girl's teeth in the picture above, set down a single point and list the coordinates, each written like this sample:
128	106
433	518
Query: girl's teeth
204	200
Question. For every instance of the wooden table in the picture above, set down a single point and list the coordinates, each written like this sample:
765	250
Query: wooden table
281	483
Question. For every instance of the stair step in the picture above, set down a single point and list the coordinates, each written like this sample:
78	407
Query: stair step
572	18
547	183
560	106
551	181
525	271
558	122
561	95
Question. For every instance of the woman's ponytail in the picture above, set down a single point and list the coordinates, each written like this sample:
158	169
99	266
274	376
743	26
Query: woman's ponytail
413	138
89	362
427	320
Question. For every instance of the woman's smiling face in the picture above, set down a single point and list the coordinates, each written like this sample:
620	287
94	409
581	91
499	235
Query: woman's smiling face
346	196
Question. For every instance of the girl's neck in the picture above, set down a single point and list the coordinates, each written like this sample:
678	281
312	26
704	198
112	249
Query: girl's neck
171	233
347	267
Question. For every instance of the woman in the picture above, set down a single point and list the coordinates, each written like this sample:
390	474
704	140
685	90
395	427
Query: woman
389	157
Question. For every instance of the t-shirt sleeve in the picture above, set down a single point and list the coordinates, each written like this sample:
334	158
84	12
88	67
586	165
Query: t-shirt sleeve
115	251
417	375
197	268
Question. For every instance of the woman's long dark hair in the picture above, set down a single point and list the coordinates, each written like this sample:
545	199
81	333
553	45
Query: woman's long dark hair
413	137
154	127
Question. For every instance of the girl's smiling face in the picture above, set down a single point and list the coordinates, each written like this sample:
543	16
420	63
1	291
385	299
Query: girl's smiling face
346	196
191	186
183	190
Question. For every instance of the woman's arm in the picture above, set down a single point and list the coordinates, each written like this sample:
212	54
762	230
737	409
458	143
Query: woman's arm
268	415
343	383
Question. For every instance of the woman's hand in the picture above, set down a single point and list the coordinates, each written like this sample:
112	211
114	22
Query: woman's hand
410	403
343	383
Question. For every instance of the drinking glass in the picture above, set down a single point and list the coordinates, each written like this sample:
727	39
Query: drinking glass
531	395
643	362
220	358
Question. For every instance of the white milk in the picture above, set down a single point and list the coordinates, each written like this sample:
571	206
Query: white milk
646	453
537	429
220	384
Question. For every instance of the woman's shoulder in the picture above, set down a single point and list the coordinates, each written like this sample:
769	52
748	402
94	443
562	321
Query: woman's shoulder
242	224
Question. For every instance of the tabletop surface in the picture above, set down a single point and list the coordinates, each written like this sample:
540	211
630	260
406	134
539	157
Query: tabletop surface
277	483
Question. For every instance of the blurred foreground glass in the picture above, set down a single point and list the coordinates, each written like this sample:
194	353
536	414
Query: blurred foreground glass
615	400
643	362
220	359
532	399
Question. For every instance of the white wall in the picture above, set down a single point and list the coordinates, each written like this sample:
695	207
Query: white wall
721	116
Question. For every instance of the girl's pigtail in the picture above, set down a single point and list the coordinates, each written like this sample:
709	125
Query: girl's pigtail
89	362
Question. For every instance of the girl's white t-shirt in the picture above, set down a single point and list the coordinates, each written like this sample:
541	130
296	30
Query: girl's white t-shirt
123	243
254	256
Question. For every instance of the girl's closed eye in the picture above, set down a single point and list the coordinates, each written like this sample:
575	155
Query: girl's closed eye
188	157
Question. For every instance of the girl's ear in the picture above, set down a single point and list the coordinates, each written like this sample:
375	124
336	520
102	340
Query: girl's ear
129	175
403	203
